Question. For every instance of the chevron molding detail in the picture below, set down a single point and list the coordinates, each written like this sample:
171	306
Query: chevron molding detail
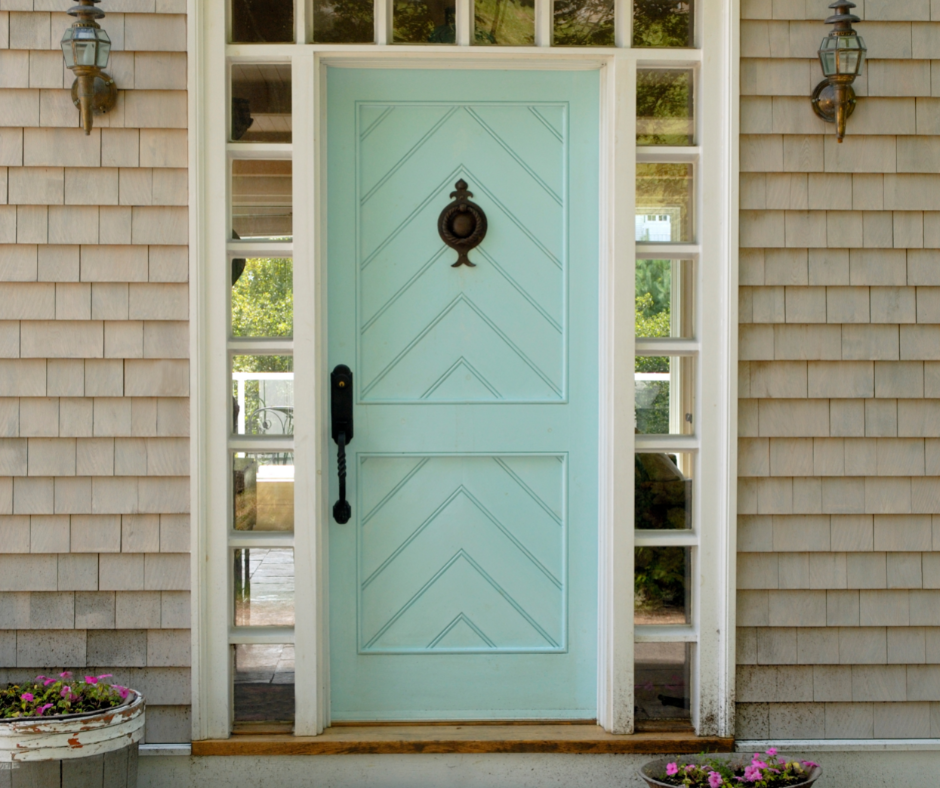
477	566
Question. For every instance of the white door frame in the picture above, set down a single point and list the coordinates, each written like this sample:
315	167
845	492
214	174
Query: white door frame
715	345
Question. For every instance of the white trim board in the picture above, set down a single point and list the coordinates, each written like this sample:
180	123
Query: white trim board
716	85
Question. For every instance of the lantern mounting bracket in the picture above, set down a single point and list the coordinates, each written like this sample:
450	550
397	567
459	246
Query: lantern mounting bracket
824	101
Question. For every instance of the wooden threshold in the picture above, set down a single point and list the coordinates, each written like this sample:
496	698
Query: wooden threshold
416	739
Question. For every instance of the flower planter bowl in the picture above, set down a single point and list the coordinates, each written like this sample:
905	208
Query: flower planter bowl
83	750
652	771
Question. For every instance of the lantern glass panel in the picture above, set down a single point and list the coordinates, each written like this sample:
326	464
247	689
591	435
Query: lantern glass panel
67	48
828	60
104	49
84	52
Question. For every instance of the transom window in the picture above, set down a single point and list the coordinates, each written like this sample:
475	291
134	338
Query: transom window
666	517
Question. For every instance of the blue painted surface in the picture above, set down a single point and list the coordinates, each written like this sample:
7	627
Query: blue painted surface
465	586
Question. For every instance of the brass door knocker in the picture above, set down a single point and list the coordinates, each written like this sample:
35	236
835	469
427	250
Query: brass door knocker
462	224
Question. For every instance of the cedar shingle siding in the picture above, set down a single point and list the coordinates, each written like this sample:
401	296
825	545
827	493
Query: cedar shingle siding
838	600
94	376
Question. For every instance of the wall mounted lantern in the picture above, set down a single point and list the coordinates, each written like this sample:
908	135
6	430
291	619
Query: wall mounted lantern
87	48
841	53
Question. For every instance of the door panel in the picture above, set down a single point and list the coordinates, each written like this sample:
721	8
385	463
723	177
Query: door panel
465	585
497	547
421	324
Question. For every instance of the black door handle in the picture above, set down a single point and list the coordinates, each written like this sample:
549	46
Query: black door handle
341	411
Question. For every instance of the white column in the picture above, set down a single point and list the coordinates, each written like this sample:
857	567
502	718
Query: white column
617	289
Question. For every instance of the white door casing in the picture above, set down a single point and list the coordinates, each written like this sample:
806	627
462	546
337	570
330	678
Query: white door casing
715	344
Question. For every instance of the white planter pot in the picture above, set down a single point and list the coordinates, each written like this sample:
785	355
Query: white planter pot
78	748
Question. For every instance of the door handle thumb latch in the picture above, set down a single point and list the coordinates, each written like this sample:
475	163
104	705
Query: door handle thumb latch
341	411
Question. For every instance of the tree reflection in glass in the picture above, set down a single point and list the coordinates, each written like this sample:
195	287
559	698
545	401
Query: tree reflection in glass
504	22
343	22
585	23
425	22
664	110
663	23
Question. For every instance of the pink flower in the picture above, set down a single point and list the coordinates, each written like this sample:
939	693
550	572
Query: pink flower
91	680
47	682
755	761
104	676
752	774
66	675
672	769
772	752
27	696
810	764
122	691
714	780
44	708
65	691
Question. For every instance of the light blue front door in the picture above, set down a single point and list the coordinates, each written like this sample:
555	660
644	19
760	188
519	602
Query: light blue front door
465	584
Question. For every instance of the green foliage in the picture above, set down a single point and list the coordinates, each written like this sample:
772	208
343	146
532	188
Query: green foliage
663	94
660	577
654	277
263	306
584	23
343	22
763	771
51	696
651	323
505	22
663	23
415	22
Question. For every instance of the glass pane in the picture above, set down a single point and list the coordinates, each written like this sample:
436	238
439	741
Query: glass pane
664	110
262	21
665	291
664	203
264	683
662	677
343	22
425	22
505	22
665	395
262	297
264	587
263	391
583	23
261	102
663	23
262	200
662	495
263	485
662	586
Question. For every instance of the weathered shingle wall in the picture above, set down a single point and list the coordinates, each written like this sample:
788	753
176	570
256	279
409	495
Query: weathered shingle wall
94	377
838	574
